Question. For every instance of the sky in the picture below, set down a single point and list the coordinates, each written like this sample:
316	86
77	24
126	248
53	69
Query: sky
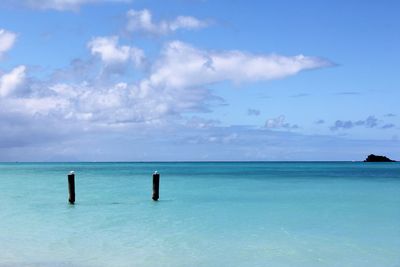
199	80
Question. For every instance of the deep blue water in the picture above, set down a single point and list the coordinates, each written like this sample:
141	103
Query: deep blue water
274	214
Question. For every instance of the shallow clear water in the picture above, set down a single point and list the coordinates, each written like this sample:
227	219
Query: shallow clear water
209	214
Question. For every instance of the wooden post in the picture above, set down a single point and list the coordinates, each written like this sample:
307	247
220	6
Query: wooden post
156	186
71	187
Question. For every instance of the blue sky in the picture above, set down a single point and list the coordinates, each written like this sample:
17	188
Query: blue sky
98	80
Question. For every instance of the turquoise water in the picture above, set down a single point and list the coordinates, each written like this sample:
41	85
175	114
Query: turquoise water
209	214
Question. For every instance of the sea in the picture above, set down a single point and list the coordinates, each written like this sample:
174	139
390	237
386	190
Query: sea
210	214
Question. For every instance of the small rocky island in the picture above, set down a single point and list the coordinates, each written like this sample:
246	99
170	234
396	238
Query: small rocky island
375	158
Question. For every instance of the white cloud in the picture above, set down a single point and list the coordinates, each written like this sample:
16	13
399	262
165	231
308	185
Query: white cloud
109	51
279	123
31	106
177	83
62	5
186	22
174	87
183	65
103	105
141	21
7	40
12	80
275	122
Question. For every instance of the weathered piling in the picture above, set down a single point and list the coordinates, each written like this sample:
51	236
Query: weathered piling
156	186
71	187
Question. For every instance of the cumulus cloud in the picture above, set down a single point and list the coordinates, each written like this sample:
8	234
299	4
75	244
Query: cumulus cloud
176	84
62	5
279	123
142	21
369	122
7	40
104	105
9	82
253	112
111	53
319	122
178	79
62	101
183	65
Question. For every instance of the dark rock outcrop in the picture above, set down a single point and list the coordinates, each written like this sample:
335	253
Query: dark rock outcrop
375	158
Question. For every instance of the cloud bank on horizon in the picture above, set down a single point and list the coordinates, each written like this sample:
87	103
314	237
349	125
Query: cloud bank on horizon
120	93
